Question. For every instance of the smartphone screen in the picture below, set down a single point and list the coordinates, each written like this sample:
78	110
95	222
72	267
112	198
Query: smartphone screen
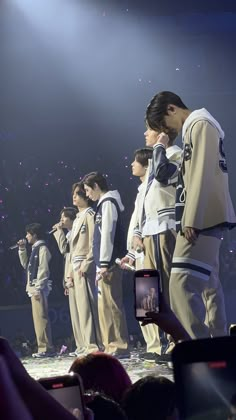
205	377
67	390
209	390
147	292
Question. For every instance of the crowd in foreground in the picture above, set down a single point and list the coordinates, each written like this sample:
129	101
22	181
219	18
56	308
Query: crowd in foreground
107	389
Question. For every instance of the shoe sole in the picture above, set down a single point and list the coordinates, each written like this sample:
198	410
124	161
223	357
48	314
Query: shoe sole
44	357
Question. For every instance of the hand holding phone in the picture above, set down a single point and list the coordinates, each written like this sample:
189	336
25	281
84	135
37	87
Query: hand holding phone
167	321
146	293
205	377
68	391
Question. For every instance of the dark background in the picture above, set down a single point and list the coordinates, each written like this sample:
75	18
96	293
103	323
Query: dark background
75	79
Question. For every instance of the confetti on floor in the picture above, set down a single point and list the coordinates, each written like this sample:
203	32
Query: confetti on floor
135	367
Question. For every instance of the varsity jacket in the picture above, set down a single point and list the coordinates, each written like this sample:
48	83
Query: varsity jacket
63	242
205	198
37	268
81	240
157	206
108	242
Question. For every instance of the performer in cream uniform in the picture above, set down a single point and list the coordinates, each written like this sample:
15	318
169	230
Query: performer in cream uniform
68	216
84	271
203	208
153	221
108	243
38	286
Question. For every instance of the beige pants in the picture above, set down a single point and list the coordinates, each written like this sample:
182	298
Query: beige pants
74	315
213	298
195	291
215	311
84	313
151	332
111	312
42	324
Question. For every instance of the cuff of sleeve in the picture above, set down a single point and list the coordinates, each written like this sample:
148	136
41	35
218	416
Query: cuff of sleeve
131	255
137	233
103	264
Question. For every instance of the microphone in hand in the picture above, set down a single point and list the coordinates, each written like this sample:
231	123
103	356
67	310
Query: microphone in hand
52	231
125	265
20	244
55	227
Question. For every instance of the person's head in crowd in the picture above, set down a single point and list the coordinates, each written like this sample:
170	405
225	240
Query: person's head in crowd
34	233
79	197
68	215
104	407
140	163
102	373
95	185
151	398
165	113
232	415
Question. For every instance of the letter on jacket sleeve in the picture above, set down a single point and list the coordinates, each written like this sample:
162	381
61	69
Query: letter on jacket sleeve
201	173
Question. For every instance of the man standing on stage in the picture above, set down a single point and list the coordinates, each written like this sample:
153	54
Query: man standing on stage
154	230
203	207
38	286
108	244
83	270
68	216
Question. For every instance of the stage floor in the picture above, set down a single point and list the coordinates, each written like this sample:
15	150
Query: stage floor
60	366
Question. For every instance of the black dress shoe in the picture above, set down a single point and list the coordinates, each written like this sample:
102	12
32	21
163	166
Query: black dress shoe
163	359
121	354
149	357
44	354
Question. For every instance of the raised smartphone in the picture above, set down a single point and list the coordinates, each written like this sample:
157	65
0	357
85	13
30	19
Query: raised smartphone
146	293
205	377
67	390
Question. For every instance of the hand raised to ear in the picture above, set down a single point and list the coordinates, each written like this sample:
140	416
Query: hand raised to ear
163	139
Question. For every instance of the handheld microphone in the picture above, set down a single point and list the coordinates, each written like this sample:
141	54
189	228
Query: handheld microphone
16	245
51	231
126	265
139	249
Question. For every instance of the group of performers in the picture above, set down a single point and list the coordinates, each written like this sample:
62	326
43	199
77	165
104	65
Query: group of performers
181	210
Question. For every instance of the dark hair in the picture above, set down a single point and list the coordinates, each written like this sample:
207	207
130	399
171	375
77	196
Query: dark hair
35	229
155	394
158	109
142	155
69	212
105	408
81	192
96	178
102	372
